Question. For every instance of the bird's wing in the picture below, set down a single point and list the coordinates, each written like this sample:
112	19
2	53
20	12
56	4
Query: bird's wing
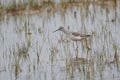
75	34
78	34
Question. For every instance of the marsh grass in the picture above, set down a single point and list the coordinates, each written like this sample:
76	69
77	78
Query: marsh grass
38	52
83	66
53	51
90	67
17	68
19	55
37	7
22	52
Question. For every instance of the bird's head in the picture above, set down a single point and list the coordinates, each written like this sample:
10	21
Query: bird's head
60	29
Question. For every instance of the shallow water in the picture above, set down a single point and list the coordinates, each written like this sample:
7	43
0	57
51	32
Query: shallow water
31	51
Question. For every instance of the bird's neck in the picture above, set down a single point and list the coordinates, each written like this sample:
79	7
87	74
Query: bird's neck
65	31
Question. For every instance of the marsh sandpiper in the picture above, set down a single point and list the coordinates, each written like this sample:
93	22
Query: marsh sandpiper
75	36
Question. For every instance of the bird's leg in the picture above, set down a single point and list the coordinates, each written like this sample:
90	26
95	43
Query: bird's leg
76	50
88	48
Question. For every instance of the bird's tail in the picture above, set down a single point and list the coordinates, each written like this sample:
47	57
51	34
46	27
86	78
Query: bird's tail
88	35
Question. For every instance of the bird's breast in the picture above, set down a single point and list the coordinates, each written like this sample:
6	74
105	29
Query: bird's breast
76	38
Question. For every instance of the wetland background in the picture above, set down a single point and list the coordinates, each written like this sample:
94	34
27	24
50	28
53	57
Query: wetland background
29	50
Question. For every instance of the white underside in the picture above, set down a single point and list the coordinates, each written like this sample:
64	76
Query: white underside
76	38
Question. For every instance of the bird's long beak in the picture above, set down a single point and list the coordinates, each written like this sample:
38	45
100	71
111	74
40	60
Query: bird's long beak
56	30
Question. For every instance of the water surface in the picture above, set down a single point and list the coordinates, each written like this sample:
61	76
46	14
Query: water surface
31	51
